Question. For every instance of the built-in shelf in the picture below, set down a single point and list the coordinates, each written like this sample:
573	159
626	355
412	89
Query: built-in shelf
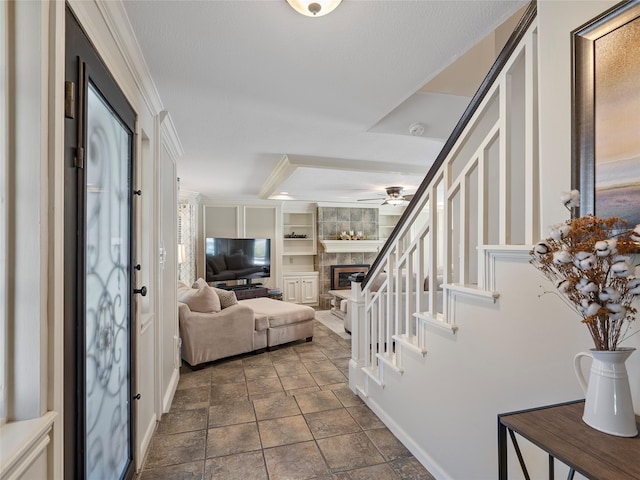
344	246
300	282
299	223
387	221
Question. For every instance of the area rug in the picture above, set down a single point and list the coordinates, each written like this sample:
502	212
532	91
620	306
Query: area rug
332	322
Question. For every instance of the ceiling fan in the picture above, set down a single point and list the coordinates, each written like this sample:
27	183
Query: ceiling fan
394	197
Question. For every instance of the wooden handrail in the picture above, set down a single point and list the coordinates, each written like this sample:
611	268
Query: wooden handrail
517	35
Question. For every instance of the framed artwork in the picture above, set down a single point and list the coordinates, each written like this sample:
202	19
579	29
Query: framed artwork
606	114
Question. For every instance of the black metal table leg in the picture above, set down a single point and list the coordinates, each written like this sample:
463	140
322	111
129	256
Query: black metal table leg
502	451
519	454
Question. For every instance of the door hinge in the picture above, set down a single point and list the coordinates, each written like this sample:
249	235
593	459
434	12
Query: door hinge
69	100
79	158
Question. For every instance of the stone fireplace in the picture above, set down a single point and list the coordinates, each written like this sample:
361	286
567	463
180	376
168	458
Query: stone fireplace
333	220
340	275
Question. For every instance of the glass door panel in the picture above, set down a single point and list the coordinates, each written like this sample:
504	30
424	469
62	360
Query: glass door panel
107	291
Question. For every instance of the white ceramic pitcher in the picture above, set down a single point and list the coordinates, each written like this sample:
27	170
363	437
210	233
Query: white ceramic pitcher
608	406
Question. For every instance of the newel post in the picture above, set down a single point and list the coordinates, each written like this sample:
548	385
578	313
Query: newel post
358	354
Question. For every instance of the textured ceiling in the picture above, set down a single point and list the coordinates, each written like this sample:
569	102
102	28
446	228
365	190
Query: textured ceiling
249	82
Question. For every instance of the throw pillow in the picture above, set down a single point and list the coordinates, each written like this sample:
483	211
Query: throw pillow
204	300
183	291
227	297
199	283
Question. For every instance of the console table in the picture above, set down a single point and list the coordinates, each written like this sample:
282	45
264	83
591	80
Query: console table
560	431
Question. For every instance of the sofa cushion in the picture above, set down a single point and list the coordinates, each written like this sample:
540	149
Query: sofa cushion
280	313
227	297
204	300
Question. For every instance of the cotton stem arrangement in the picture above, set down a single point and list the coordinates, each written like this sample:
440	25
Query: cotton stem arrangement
589	260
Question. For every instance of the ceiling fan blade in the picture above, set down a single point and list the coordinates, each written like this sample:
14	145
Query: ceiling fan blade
369	199
408	197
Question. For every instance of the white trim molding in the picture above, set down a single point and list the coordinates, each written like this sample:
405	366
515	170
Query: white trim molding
344	246
21	443
493	253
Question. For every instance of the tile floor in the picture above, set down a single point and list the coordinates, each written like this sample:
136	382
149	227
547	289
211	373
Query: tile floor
285	414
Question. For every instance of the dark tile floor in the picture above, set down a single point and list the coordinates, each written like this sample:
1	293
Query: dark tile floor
285	414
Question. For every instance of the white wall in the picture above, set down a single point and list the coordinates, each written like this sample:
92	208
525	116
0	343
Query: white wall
35	206
516	353
558	18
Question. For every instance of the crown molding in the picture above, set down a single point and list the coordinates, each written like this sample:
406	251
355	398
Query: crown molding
170	135
288	164
118	24
280	173
187	196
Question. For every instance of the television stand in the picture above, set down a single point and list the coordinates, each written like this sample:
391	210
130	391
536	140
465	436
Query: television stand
246	286
243	292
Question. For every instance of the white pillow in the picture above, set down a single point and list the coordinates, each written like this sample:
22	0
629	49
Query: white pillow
227	297
204	300
184	290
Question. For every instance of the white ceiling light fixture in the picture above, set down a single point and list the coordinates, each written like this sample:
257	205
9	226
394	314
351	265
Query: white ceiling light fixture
314	8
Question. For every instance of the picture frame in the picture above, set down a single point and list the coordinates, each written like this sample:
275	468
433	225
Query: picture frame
605	120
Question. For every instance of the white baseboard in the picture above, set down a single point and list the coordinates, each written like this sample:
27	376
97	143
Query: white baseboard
167	398
143	447
423	457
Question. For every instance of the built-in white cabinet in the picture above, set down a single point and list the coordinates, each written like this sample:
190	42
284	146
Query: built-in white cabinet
300	281
301	288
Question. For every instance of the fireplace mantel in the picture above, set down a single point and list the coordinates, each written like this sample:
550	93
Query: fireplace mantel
346	246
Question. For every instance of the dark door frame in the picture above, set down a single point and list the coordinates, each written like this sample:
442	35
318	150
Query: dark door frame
83	63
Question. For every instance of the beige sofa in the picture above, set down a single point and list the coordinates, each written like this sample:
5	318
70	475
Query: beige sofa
214	324
210	336
287	321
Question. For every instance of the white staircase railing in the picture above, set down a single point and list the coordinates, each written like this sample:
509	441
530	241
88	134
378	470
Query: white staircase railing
481	193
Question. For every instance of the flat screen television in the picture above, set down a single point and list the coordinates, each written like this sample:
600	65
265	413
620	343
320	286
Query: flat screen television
237	259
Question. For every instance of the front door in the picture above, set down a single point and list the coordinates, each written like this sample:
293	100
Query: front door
99	154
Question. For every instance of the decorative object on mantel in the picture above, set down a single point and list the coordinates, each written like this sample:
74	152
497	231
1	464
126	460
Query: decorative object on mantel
295	235
588	259
351	236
